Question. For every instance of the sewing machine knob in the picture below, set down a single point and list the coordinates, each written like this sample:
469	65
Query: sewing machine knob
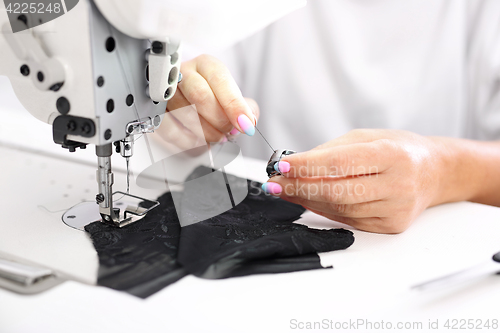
50	75
25	70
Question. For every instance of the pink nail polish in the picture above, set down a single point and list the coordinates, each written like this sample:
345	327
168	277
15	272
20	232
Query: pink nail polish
223	140
283	166
234	131
272	188
246	125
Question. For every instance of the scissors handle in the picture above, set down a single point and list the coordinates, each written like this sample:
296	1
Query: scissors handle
496	257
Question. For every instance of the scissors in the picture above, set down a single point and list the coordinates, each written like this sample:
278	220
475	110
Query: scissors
467	275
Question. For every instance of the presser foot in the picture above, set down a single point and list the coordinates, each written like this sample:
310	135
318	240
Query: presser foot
131	209
127	209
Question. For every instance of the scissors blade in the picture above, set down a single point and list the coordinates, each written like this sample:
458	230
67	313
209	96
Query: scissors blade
463	276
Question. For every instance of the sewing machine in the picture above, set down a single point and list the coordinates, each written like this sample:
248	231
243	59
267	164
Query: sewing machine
101	71
96	82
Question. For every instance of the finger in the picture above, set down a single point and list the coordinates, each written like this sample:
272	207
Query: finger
193	120
340	191
378	208
177	101
211	133
337	218
360	135
351	137
350	160
197	91
172	131
371	224
227	93
254	107
190	119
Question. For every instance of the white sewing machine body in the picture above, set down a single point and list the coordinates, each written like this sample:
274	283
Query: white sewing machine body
90	82
100	68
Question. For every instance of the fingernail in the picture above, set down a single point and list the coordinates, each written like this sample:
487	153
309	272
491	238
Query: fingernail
272	188
223	140
246	125
234	131
282	166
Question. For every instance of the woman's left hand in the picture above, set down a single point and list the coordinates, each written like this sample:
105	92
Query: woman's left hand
374	180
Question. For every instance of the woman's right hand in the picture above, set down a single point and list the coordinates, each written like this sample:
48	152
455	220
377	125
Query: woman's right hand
221	109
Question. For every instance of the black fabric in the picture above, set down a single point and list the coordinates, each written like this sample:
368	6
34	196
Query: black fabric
257	236
140	258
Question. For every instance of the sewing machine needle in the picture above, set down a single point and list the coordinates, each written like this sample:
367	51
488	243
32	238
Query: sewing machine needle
264	139
127	159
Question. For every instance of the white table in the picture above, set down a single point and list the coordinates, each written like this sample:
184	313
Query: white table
371	280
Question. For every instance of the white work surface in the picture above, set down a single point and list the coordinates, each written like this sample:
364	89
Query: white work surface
370	281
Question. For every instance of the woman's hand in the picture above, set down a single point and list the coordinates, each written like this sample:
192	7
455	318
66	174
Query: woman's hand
374	180
208	85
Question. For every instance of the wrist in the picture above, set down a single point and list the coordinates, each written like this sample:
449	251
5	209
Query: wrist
468	170
456	176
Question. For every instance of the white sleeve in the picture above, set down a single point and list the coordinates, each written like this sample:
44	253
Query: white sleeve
483	70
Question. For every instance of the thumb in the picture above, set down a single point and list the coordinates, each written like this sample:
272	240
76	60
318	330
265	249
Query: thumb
254	107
